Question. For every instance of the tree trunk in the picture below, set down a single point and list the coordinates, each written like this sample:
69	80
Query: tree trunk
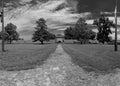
42	42
103	42
10	41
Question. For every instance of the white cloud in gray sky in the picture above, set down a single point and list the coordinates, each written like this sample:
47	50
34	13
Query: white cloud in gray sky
25	16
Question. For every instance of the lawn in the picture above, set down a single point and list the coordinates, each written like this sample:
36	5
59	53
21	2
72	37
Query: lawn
101	58
24	56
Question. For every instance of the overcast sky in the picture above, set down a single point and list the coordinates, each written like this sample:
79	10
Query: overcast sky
59	14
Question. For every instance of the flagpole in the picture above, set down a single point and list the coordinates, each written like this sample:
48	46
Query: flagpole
116	46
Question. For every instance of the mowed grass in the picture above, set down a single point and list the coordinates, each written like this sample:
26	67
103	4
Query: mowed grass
100	58
24	56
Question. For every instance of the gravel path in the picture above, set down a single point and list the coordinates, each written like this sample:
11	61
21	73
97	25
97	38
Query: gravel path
58	70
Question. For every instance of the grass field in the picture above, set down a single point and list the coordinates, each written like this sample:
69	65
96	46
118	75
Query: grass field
100	58
24	56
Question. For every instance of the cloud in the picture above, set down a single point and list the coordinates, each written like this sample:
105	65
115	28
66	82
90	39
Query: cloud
25	16
26	0
59	14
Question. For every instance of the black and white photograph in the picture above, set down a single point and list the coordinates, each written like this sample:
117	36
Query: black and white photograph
59	43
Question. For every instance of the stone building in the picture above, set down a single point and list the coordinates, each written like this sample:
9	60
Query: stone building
59	38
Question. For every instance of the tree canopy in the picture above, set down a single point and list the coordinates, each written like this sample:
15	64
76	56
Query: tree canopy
104	24
10	33
69	33
41	34
80	32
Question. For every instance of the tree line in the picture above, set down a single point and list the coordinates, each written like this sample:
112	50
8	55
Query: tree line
41	32
83	33
80	31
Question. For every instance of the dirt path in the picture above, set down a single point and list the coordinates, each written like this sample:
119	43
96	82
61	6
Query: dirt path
58	70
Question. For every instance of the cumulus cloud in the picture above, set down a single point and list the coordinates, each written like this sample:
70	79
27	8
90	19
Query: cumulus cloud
25	16
59	15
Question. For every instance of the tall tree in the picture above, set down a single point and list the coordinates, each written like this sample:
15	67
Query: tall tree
41	34
10	33
81	29
104	25
81	32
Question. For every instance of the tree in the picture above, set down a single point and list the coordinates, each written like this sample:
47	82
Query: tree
69	33
51	36
81	31
92	35
6	36
104	25
10	33
41	34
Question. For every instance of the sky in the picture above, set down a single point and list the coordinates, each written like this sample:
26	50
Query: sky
97	5
59	14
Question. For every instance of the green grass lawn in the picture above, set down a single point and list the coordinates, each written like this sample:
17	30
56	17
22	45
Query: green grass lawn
100	58
24	56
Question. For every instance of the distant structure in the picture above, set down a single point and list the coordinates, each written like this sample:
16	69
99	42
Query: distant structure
59	38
